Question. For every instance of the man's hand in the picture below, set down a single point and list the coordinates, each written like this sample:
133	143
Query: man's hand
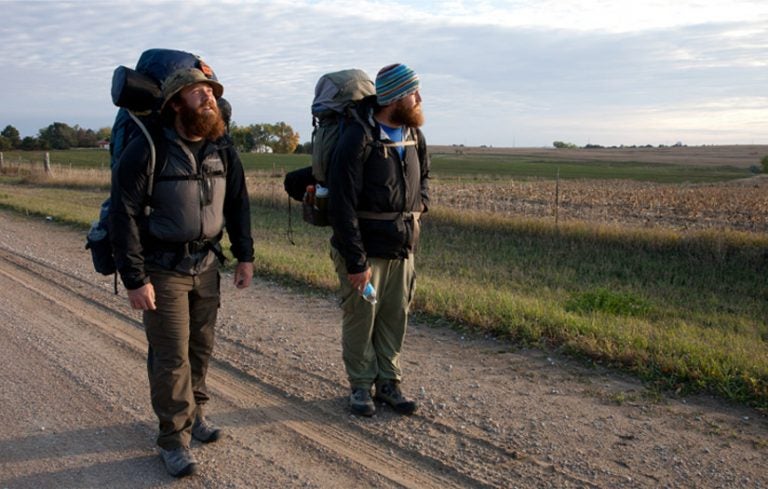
243	275
360	280
143	298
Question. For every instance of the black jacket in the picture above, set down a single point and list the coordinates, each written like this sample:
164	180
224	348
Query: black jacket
383	183
131	242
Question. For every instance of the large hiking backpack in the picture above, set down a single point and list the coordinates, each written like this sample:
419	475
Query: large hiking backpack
340	99
337	95
336	98
137	93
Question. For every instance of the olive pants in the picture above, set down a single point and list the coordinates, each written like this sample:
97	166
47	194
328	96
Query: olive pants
372	335
180	333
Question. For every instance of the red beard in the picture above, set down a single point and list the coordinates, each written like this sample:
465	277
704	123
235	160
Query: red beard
202	123
407	116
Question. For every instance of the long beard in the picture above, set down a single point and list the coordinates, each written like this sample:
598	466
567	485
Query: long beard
201	123
407	116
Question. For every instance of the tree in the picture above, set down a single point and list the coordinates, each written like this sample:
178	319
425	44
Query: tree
242	137
29	143
85	138
5	143
284	139
562	145
104	134
12	135
764	164
58	136
260	134
279	137
304	148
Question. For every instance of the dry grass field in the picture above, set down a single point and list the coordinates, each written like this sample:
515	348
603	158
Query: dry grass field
742	156
739	205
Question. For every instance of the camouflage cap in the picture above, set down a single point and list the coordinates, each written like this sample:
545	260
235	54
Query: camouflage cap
185	77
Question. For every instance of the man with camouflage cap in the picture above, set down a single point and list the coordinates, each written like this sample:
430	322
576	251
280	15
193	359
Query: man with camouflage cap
167	250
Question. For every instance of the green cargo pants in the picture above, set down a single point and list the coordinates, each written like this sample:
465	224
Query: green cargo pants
372	336
180	333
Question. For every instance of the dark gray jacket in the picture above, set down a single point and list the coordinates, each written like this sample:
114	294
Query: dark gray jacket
383	183
190	205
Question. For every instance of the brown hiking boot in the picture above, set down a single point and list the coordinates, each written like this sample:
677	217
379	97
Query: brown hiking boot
389	392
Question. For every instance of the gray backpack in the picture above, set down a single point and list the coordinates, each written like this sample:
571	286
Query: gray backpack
335	106
336	95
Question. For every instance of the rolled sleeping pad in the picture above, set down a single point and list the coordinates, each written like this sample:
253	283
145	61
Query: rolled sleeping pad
135	91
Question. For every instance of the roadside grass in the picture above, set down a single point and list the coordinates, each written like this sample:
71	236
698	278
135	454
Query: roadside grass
684	312
71	206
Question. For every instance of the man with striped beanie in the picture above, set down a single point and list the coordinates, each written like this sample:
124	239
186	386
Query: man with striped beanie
378	191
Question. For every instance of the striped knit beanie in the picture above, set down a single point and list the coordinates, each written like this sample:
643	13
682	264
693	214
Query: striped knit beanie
394	82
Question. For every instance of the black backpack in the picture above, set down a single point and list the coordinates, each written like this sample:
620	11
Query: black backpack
137	93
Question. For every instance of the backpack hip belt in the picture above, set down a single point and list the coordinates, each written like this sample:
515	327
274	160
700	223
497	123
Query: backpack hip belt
389	216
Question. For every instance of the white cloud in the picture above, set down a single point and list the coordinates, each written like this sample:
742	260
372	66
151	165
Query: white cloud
493	72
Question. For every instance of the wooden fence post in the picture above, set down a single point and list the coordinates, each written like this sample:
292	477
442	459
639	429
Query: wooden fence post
47	163
557	196
1	160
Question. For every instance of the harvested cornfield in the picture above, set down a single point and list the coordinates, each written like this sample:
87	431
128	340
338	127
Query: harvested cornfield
737	205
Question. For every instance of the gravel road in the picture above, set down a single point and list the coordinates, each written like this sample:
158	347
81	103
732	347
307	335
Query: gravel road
75	411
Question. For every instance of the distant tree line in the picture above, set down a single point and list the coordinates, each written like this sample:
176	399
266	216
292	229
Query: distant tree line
274	138
564	145
56	136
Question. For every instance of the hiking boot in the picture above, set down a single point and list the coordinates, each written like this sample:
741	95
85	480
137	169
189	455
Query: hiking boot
179	462
205	431
360	402
389	392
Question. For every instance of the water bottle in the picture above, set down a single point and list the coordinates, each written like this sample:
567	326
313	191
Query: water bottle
321	205
309	195
96	233
369	293
321	197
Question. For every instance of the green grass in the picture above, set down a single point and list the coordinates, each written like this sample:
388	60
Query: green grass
265	162
685	312
96	158
445	166
609	302
506	166
71	158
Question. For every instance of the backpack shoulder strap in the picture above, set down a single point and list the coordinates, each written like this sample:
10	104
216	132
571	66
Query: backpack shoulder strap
354	115
418	141
224	155
152	159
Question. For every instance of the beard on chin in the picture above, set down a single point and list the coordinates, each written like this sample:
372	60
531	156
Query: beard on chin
200	123
407	116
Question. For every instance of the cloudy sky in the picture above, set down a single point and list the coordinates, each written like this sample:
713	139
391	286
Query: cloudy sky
496	72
